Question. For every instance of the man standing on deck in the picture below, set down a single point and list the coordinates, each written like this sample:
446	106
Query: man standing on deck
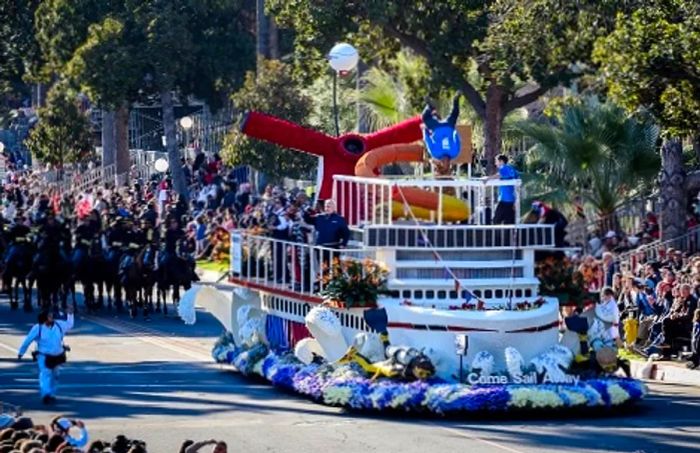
505	210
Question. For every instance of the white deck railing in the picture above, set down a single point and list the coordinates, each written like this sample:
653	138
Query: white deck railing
365	201
463	237
285	265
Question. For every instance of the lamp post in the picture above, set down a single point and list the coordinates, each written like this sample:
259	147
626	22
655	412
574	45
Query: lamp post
343	58
186	122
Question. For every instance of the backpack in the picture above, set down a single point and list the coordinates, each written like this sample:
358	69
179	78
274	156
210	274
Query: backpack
52	361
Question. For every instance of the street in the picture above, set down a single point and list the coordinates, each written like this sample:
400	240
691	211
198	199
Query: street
157	382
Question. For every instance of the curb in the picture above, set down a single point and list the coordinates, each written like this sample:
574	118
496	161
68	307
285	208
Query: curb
666	372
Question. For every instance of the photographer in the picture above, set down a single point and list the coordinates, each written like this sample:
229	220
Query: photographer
62	426
50	352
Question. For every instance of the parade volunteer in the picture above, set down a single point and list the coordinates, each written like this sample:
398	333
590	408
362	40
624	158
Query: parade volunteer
50	351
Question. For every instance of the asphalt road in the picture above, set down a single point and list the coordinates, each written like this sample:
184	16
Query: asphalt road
157	382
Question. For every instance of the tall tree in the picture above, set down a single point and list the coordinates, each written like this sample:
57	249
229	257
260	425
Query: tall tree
19	51
651	61
64	27
63	134
167	49
594	151
272	89
192	48
509	42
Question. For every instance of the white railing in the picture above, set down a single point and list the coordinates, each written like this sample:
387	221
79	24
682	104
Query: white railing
369	200
82	182
284	265
657	250
491	237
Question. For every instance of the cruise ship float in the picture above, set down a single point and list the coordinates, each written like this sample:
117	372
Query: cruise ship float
460	326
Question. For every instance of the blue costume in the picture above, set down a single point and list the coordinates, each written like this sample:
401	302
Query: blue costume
441	137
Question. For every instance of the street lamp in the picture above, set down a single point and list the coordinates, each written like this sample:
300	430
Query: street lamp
186	122
343	58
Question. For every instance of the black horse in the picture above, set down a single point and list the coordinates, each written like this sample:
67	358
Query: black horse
47	277
87	262
113	258
18	265
132	277
173	272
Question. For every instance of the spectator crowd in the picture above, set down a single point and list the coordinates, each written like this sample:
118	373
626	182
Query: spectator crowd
65	435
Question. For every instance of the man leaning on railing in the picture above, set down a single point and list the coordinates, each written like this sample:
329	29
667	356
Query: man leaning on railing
332	232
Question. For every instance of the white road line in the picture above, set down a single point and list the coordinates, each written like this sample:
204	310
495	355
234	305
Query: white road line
170	386
9	348
490	443
154	340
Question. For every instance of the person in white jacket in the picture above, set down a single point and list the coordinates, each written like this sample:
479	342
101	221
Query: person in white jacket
48	335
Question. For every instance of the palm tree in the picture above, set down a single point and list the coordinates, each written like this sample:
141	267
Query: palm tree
595	151
391	96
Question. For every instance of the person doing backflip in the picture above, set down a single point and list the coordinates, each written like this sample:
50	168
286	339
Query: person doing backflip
440	136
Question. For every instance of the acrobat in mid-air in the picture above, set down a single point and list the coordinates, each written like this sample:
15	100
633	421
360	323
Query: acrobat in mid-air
440	135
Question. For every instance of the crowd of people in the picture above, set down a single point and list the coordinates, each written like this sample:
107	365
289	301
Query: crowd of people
658	297
66	435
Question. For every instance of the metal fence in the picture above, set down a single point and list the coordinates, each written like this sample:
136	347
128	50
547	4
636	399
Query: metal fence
656	251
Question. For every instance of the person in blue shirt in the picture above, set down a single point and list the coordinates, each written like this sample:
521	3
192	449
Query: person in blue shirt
505	210
440	136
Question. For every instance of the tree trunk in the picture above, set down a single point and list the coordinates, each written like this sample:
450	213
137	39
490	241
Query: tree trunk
166	99
261	31
493	121
274	39
696	148
672	184
123	159
109	145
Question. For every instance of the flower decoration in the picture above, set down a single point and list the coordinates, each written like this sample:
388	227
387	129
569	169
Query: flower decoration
354	283
346	386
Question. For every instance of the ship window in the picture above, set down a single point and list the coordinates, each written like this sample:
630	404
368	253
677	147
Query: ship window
488	294
477	293
442	294
395	294
418	294
453	294
499	293
528	293
518	293
430	294
406	294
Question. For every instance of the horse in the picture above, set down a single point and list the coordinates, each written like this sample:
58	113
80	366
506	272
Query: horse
87	262
48	280
18	265
148	270
131	278
173	272
113	258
